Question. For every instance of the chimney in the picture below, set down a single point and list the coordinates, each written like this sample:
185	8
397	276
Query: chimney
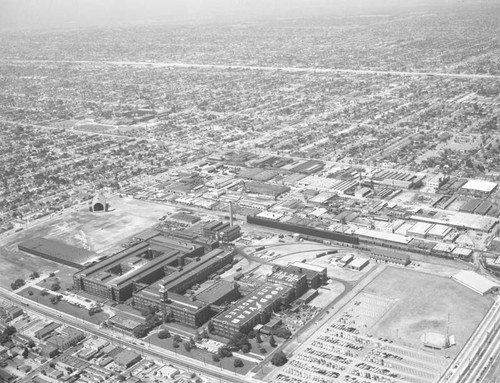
231	214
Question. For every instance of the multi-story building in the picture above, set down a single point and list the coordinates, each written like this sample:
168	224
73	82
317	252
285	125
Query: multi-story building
114	278
290	278
255	308
316	275
166	293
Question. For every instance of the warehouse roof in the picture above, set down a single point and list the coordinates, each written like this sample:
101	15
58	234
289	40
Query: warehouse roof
359	262
439	230
390	237
303	265
420	228
216	291
57	249
480	185
475	282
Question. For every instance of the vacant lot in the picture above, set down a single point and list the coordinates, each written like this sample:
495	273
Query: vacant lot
102	233
427	303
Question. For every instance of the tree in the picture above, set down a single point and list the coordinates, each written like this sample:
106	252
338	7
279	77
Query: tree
141	331
262	350
187	346
177	338
175	344
283	332
245	348
272	341
237	340
55	286
54	300
238	363
44	292
251	334
192	342
215	358
19	282
279	358
224	352
204	334
164	334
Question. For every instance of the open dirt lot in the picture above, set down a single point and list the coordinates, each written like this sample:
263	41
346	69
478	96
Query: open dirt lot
98	232
103	232
424	304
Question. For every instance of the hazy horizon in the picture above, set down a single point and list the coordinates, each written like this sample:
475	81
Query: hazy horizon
27	14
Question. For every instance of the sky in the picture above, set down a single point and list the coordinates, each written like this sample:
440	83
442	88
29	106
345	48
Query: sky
82	13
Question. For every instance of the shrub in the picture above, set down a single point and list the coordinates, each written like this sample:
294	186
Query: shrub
279	358
164	334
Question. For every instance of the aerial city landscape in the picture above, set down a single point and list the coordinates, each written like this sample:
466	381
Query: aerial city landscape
304	197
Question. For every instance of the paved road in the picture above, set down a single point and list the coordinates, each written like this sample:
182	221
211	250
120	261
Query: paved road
125	341
261	68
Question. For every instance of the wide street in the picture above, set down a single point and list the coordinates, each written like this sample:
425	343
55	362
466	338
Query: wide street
263	68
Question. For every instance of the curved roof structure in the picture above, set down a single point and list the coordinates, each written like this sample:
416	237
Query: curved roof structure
475	281
98	203
99	198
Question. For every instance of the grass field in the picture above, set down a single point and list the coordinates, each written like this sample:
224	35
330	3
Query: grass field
427	303
62	306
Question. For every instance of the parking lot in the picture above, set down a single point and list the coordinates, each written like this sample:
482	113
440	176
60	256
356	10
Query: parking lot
345	350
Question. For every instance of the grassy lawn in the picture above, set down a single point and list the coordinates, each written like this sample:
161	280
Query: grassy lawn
427	303
62	306
201	355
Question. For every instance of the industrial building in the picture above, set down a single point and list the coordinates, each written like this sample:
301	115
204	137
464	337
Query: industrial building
478	188
67	338
196	271
219	293
388	256
303	229
221	231
475	282
290	278
256	308
166	293
316	276
113	278
57	252
359	264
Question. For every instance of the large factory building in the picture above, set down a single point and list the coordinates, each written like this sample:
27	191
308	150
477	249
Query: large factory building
257	307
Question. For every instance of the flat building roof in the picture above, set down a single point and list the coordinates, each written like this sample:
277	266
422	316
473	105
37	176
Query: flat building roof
254	303
480	185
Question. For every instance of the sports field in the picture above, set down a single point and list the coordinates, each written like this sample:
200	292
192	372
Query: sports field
426	303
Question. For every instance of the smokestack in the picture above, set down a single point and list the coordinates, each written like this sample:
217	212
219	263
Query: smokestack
230	214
